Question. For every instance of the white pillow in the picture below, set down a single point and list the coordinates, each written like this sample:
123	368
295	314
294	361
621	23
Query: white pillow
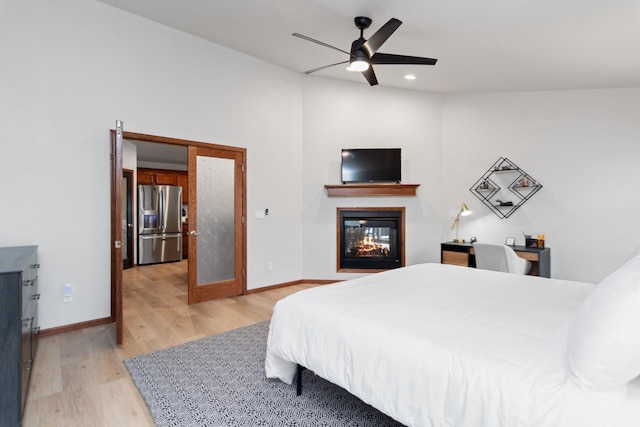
603	350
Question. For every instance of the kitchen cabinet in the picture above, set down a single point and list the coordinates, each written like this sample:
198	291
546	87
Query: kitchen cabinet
146	176
157	176
18	328
166	178
183	181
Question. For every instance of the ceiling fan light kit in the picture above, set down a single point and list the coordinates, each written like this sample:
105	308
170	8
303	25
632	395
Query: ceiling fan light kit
359	62
364	53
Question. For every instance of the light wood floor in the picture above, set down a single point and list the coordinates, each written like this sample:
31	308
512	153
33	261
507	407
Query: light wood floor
79	378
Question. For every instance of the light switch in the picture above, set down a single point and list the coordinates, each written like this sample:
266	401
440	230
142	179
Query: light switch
259	214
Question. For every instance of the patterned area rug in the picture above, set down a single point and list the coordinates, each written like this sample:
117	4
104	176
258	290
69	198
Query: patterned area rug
220	381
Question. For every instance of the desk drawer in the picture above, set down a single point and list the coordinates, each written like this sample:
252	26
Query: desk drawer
531	256
455	258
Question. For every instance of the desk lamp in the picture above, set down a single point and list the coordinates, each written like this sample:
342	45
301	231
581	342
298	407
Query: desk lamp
464	211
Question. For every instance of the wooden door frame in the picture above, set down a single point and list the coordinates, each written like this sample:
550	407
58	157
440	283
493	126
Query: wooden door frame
116	212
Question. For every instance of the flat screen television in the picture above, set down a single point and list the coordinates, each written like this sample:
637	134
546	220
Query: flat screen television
371	165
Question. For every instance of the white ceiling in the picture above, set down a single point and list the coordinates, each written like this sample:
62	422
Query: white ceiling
488	46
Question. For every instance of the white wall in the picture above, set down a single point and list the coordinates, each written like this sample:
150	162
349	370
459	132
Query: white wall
346	115
70	68
583	146
129	156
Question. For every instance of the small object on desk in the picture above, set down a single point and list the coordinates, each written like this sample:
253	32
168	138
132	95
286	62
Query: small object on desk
473	239
540	241
510	241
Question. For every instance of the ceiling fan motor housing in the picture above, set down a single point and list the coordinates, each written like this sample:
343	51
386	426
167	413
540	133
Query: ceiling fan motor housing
362	22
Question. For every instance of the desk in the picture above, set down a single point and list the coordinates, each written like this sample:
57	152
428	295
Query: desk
463	254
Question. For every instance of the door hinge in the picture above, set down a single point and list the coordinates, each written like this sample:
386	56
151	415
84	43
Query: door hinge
242	167
117	244
243	220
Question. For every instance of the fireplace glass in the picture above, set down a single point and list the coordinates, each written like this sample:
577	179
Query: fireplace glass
370	240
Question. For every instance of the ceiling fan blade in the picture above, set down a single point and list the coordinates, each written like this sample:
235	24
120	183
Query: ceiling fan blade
326	66
372	45
370	76
319	42
388	58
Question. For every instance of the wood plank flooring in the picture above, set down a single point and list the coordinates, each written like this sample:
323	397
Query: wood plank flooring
79	378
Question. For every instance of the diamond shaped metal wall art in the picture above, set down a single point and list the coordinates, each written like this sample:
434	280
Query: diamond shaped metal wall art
505	187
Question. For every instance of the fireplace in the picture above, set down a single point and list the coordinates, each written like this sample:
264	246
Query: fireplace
370	239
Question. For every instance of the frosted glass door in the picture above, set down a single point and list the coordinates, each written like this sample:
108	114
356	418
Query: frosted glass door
216	219
216	228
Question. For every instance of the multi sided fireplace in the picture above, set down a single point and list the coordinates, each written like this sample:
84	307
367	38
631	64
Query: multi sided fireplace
370	239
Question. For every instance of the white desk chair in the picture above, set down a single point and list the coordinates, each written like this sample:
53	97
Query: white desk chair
497	257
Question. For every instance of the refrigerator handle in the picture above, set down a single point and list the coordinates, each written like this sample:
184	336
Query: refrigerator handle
161	209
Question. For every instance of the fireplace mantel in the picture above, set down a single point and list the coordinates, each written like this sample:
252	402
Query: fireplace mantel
359	190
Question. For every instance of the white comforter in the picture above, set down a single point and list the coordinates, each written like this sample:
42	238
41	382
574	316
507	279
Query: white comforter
440	345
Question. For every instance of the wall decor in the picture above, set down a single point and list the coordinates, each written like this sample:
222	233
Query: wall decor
504	187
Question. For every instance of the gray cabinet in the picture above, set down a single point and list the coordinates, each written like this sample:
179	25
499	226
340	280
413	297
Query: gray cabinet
18	328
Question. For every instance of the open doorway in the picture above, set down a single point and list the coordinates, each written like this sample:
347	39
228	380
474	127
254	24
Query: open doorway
127	219
206	163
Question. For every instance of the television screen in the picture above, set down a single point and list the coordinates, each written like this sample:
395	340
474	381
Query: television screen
371	165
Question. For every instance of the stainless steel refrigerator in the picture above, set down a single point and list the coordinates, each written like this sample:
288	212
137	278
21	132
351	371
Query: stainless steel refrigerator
159	224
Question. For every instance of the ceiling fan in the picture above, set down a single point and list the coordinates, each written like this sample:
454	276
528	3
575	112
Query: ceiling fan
364	53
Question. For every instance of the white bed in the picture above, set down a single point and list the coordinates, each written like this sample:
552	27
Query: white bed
440	345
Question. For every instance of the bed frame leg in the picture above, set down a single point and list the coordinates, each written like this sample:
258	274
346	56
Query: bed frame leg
299	380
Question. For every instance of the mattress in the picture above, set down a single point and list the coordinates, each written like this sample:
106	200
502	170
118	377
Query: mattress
442	345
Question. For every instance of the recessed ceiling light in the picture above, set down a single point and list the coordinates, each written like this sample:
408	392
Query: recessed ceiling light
410	77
